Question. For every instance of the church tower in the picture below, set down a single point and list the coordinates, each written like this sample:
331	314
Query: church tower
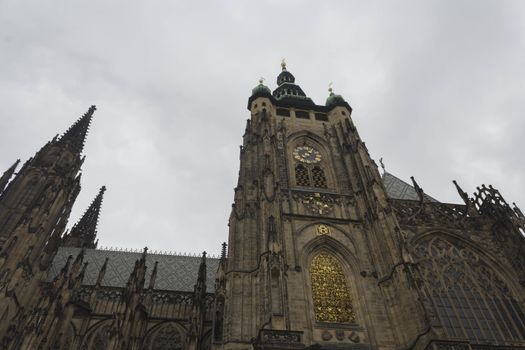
34	210
313	243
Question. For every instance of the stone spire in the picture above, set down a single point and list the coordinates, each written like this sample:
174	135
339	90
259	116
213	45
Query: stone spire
75	136
153	276
102	273
7	175
84	232
201	279
195	332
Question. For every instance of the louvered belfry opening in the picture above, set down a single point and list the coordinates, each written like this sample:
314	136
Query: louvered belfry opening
318	177
301	175
310	176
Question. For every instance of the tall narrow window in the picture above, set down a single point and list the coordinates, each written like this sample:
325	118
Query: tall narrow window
319	180
331	297
301	175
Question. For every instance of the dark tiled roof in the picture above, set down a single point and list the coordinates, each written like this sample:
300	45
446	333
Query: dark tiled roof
174	272
399	189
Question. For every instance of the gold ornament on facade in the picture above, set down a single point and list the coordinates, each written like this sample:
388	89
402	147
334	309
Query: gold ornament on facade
317	204
331	297
323	230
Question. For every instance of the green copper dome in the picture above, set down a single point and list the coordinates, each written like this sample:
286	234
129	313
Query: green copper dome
335	100
261	89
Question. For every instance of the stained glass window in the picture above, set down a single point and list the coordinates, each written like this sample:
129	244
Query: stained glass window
331	297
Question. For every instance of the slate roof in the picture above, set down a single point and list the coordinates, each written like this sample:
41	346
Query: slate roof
399	189
174	272
177	272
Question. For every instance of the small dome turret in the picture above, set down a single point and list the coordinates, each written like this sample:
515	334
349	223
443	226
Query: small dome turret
334	100
261	89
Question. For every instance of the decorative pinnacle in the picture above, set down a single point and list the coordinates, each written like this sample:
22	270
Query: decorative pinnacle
261	80
75	136
418	189
144	253
153	276
102	272
223	251
86	227
283	64
202	269
7	175
330	89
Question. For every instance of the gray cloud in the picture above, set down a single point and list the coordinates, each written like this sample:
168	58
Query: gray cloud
436	86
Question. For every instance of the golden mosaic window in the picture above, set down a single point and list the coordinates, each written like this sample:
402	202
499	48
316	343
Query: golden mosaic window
331	296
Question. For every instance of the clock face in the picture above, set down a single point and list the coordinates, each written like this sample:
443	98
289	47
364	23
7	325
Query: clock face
307	154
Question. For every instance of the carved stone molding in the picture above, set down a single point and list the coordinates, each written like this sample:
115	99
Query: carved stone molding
273	336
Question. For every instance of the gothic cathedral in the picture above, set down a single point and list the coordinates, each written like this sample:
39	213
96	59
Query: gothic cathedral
324	252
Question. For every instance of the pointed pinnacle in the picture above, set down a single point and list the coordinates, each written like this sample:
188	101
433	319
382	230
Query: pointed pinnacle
80	276
7	175
102	272
223	251
75	136
86	227
202	267
418	189
153	276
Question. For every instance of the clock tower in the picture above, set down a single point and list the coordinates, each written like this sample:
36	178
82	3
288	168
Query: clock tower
313	243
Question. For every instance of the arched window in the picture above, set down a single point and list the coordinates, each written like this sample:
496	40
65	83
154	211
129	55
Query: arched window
301	175
314	177
331	297
470	299
319	180
167	337
98	338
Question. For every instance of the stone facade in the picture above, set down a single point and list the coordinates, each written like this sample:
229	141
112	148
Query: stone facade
323	252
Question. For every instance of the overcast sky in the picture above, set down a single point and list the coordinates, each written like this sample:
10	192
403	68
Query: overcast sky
437	88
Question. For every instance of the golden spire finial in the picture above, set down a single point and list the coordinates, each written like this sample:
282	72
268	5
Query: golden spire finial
283	64
330	90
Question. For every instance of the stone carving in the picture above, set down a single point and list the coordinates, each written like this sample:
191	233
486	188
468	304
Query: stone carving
326	335
281	337
323	229
413	213
317	204
354	337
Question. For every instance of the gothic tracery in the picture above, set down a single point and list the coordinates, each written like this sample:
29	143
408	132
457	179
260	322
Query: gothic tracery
167	337
472	301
